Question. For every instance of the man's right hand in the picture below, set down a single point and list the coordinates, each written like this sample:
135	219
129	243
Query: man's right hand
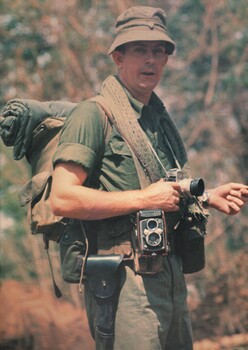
163	195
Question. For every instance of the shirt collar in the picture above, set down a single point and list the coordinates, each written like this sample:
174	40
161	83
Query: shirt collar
154	103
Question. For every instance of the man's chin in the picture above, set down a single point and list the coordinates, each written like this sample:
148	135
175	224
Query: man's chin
147	86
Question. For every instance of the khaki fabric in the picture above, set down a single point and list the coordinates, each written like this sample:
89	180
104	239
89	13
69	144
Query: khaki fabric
152	313
142	23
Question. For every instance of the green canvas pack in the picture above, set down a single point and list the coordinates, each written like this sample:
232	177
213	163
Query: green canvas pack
36	193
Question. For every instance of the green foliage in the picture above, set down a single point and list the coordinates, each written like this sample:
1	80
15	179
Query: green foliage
58	50
13	217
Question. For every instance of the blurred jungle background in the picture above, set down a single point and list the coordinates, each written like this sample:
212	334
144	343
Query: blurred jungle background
56	50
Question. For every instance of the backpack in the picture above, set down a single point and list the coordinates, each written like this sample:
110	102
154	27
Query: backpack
36	192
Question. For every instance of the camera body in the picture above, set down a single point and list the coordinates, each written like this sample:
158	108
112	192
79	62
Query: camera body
189	187
151	232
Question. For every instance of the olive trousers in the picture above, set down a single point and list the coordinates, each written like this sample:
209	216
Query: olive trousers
150	311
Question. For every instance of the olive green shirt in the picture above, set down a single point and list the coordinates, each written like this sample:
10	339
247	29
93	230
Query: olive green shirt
89	140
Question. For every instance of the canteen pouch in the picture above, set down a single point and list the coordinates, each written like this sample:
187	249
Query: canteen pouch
190	245
72	248
36	194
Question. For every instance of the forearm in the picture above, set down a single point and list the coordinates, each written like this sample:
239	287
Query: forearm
84	203
69	198
228	198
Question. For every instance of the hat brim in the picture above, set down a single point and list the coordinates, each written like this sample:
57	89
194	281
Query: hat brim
142	35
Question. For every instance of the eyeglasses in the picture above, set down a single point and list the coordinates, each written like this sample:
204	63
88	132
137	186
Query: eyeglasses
142	51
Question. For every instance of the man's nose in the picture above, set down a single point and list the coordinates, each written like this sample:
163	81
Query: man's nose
150	56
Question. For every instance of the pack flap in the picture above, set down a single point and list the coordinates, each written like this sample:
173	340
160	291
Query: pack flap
33	187
47	124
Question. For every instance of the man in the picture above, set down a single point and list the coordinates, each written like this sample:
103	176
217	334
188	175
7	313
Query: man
95	180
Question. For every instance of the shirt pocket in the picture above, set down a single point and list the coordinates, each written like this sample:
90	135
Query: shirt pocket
120	147
121	156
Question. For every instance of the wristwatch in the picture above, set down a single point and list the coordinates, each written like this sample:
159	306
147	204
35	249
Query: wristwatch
205	198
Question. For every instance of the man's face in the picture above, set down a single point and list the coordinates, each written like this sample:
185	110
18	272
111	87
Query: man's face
140	66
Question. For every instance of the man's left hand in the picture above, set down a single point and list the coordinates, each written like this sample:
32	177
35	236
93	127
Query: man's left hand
228	198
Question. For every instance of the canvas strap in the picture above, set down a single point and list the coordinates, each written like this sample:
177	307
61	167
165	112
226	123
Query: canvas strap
117	107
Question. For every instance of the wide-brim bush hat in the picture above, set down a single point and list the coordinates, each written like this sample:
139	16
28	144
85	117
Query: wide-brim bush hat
142	23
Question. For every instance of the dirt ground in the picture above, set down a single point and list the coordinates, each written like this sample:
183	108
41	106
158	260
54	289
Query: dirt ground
33	319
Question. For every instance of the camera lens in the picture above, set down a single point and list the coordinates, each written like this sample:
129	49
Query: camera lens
197	187
153	239
152	224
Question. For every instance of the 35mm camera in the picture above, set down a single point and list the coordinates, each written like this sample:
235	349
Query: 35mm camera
189	187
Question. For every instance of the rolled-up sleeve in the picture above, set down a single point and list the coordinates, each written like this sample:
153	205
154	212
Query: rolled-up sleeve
71	152
82	137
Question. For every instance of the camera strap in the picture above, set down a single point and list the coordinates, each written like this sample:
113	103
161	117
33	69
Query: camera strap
171	150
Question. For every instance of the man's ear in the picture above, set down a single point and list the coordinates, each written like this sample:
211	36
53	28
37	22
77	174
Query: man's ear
118	58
